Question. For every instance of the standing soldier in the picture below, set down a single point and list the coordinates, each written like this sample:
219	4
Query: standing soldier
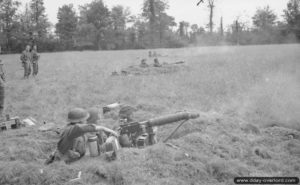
35	59
26	58
2	80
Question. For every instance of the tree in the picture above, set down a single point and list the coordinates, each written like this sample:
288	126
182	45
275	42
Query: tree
292	17
221	27
25	22
183	27
98	15
264	18
119	16
39	19
211	6
154	11
8	20
66	26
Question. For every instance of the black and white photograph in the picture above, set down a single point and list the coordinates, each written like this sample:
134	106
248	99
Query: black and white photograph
149	92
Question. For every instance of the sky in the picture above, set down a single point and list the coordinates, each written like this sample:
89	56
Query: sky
186	10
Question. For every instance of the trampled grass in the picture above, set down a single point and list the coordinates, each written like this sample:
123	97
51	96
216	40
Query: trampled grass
248	96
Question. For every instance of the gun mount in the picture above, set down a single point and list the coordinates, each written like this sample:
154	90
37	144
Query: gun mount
141	134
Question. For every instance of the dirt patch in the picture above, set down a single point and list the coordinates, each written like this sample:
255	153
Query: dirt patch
152	70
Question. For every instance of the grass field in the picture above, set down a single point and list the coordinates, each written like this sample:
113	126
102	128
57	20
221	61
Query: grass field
248	97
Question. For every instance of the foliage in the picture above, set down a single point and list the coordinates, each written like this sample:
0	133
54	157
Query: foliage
237	90
8	21
39	19
67	25
264	18
292	17
97	27
98	15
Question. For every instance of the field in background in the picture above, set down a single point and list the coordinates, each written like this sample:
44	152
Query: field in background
249	96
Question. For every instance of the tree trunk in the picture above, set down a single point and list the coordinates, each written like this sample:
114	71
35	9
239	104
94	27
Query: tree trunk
221	27
211	15
152	21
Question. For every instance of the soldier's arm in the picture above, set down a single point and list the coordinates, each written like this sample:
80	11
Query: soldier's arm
3	75
101	128
79	130
22	57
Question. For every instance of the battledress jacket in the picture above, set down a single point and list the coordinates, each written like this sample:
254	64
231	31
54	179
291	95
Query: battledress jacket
26	56
35	56
72	143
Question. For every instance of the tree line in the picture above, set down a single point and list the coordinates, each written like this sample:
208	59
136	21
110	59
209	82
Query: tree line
96	27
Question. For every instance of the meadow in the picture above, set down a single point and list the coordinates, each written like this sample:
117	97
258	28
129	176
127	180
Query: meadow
248	98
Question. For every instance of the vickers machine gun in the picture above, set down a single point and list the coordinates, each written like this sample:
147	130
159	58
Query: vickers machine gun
141	134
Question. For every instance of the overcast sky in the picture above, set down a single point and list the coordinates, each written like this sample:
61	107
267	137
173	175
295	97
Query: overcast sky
185	10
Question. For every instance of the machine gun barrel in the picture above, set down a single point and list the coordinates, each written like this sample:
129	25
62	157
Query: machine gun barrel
171	118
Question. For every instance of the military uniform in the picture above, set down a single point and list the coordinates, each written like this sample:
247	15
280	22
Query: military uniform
156	63
26	59
34	61
2	94
72	143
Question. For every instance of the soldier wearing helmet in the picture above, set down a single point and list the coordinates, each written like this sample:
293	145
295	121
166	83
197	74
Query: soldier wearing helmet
72	143
26	58
126	114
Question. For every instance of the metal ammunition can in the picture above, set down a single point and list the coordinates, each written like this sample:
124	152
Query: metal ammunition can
93	146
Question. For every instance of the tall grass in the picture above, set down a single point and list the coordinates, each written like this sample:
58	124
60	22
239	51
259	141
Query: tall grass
243	90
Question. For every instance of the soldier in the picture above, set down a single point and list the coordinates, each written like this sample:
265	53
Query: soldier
34	61
2	95
26	58
156	63
143	63
72	144
126	114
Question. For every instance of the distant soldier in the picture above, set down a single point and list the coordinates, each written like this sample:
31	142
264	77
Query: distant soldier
126	114
154	54
34	60
143	63
26	58
156	63
2	95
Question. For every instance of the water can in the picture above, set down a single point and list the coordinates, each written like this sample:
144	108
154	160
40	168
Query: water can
93	146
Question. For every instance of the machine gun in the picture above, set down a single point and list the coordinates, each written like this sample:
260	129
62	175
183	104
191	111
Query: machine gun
141	134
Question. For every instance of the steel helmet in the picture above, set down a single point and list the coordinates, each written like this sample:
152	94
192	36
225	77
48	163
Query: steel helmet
93	115
77	115
126	112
